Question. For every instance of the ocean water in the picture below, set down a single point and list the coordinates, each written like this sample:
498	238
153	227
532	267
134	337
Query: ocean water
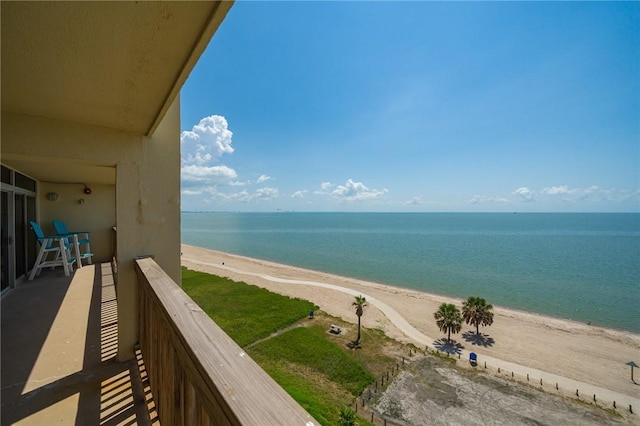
584	266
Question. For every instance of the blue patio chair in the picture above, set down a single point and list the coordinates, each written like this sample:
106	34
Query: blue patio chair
473	359
55	245
79	238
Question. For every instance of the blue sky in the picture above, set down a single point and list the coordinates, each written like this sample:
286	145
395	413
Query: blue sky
416	106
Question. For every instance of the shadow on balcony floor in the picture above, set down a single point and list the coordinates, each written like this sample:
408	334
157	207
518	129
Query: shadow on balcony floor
59	342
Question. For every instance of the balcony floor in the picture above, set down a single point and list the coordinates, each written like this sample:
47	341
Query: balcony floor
59	343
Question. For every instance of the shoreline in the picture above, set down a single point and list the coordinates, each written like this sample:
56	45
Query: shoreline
582	352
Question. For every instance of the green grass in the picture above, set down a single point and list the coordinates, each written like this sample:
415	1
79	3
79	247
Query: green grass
315	368
311	394
246	313
310	347
318	374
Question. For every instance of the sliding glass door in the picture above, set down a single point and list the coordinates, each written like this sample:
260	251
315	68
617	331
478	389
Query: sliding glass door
4	231
18	243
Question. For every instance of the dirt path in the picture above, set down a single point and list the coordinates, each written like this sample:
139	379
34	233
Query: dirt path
277	333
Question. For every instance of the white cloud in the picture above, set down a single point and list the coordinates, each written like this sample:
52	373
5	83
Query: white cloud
263	178
595	193
201	149
299	194
525	194
265	194
325	188
555	190
207	175
207	140
244	196
476	199
590	194
415	201
352	190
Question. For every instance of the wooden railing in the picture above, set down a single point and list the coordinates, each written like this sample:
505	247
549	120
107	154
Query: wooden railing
198	375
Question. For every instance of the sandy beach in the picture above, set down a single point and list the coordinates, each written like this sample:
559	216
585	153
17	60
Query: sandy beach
550	349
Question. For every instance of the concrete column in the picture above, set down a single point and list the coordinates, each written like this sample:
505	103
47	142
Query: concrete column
148	218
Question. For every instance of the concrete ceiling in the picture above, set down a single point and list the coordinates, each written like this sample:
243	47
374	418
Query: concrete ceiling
116	64
62	171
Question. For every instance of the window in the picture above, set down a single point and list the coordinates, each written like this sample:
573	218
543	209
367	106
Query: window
25	182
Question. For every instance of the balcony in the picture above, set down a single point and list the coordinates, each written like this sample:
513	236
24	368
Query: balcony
59	347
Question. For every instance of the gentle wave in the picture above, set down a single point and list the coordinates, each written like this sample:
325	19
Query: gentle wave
584	267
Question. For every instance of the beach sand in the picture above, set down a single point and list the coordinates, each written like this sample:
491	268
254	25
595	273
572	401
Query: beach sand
517	341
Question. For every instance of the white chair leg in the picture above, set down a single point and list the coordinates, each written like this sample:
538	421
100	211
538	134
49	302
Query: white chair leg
76	247
89	251
65	257
43	248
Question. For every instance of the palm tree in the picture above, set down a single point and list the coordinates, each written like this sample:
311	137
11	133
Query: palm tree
476	311
347	417
360	303
448	319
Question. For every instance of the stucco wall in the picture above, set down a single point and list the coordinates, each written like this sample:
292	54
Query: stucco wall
96	214
148	216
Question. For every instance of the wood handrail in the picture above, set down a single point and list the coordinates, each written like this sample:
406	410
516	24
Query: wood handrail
198	375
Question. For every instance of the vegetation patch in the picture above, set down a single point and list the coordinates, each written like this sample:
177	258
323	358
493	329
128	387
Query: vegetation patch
442	355
245	312
314	366
318	395
310	347
320	371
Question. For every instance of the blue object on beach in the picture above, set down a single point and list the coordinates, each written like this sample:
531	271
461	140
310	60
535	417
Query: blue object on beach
473	358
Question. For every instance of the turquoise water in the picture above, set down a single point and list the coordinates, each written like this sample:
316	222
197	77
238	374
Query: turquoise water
583	266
